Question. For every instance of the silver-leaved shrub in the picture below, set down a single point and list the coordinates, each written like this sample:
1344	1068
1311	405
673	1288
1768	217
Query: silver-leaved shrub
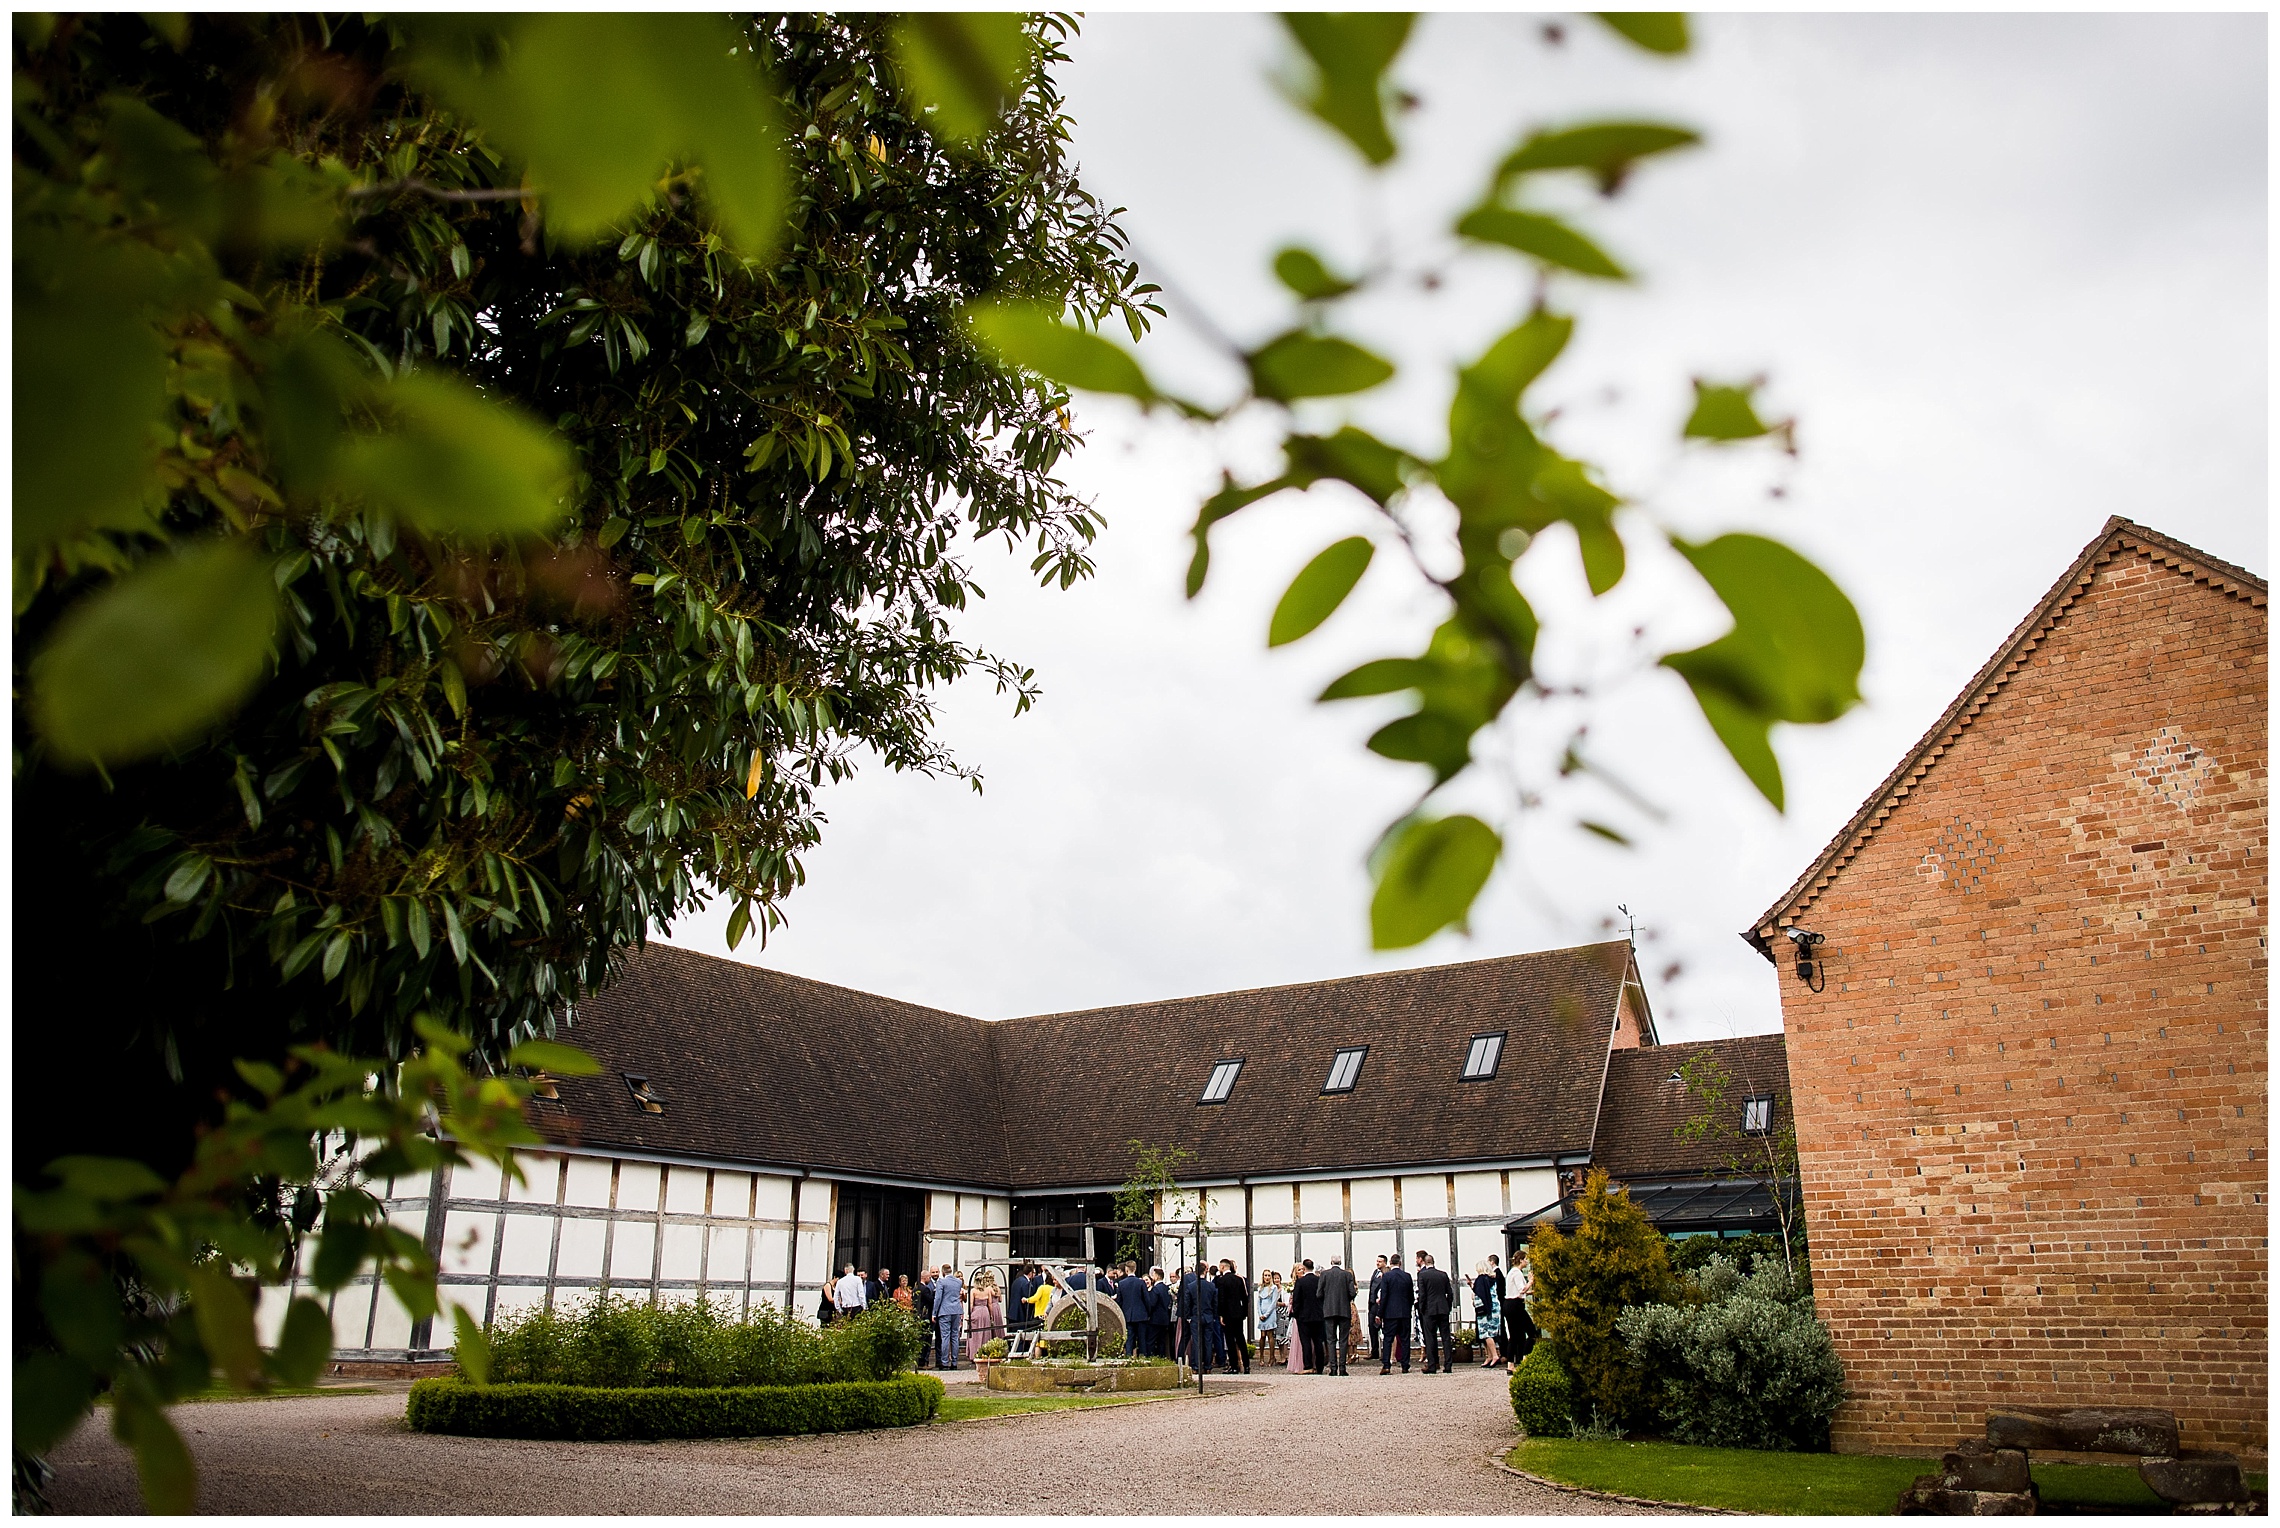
1743	1363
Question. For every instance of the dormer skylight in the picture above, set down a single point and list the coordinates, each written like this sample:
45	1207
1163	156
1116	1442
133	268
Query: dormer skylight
1483	1056
1757	1114
645	1093
1221	1081
1344	1068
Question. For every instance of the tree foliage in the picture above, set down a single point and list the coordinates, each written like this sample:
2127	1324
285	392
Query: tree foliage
1769	1154
1614	1259
1740	1361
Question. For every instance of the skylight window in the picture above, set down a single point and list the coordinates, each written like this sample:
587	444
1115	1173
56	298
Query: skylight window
1757	1114
1344	1068
644	1092
1222	1081
1483	1055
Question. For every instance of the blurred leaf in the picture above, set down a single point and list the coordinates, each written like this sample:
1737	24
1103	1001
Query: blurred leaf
967	66
1432	738
261	1077
457	463
597	104
168	1475
89	379
470	1347
555	1057
1351	456
415	1291
303	1343
1320	588
1573	497
1603	831
225	1323
340	1253
1432	873
1230	498
107	1178
1034	339
81	1305
1724	413
1655	31
1493	455
1301	365
1379	676
1351	52
157	657
1607	150
162	166
1304	273
1794	653
51	1393
1542	236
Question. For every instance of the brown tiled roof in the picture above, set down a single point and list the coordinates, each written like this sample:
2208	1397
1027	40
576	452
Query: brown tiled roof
1079	1087
2119	536
764	1068
1644	1106
760	1067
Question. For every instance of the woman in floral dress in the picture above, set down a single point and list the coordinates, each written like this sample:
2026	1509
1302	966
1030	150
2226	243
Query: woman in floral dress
985	1313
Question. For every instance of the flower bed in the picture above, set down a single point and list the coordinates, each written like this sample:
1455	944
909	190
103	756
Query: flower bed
594	1414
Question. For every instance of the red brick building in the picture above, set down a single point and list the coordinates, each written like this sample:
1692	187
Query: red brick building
2029	1058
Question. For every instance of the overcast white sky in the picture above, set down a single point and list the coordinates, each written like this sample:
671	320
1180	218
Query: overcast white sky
2009	273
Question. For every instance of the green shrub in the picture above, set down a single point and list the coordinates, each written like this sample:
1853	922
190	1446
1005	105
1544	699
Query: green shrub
610	1342
1615	1259
1691	1254
996	1347
1744	1363
596	1414
1542	1399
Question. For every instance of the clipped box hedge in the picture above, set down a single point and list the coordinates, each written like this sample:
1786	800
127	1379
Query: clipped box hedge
590	1414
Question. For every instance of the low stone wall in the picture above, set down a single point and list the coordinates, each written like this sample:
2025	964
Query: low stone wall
1085	1379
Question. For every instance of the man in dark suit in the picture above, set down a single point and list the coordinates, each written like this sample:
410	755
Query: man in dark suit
1159	1314
1338	1291
1436	1298
1306	1310
1234	1313
1132	1300
1377	1320
1397	1302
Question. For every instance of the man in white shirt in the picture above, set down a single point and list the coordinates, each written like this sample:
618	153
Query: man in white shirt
847	1294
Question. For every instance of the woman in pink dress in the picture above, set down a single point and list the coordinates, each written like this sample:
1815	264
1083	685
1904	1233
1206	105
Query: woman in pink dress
1297	1364
985	1314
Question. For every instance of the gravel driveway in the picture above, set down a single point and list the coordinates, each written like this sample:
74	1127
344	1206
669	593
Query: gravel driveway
1290	1444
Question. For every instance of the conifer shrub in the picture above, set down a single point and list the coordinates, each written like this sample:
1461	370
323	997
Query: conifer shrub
1614	1259
1740	1362
1543	1401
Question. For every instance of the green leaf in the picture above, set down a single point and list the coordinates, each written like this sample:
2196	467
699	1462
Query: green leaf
1320	588
1351	52
415	1290
1655	31
1379	676
1603	831
1573	497
261	1077
963	68
555	1057
1794	653
458	463
1351	456
1432	738
1724	413
598	105
1432	873
1542	236
1607	150
1490	472
81	1305
470	1348
341	1249
225	1323
303	1344
1301	365
1034	339
168	1475
111	1179
157	657
1304	273
51	1393
1230	498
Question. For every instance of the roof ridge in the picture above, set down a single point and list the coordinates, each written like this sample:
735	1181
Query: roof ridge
809	981
2117	533
1328	981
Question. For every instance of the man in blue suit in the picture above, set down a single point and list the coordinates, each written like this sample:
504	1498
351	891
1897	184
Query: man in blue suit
1397	1303
949	1317
1159	1314
1132	1300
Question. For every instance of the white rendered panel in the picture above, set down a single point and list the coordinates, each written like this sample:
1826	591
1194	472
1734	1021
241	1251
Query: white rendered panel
1271	1204
1221	1245
772	1199
732	1196
542	1179
998	1213
724	1264
526	1244
771	1252
972	1252
410	1218
581	1254
637	1186
351	1309
815	1250
972	1211
1369	1246
1425	1198
513	1301
940	1250
1474	1244
1223	1208
941	1212
391	1323
1274	1249
467	1241
1480	1193
1320	1203
269	1313
1372	1199
774	1297
475	1180
684	1295
685	1191
633	1245
589	1183
815	1203
1321	1246
684	1251
1534	1188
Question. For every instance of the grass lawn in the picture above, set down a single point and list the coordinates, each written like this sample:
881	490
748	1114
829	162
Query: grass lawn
1749	1481
965	1408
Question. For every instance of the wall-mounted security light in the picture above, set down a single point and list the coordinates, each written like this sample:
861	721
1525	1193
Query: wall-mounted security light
1808	964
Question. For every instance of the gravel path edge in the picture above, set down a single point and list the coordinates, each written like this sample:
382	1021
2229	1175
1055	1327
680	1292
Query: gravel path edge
1497	1459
